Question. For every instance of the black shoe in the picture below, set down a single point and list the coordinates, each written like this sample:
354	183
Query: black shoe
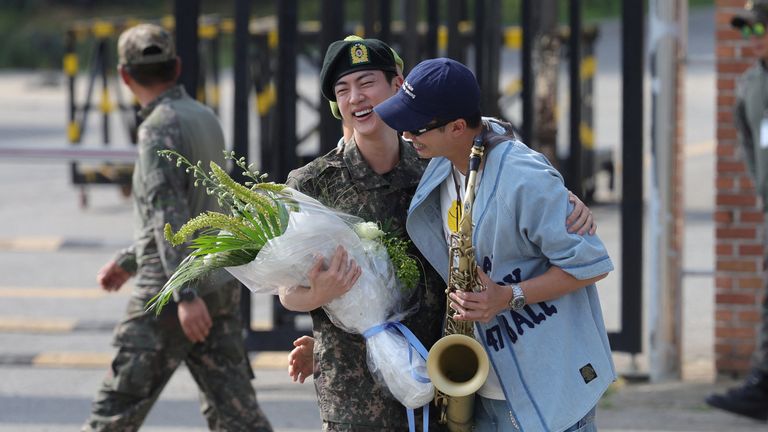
750	400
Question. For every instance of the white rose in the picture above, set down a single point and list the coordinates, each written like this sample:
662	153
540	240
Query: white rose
368	230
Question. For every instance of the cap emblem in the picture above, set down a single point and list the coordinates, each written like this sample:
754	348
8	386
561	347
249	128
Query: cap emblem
408	89
358	54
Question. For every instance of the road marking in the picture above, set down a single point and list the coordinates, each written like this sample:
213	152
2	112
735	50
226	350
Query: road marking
66	359
31	244
73	359
270	360
64	325
100	360
52	293
25	325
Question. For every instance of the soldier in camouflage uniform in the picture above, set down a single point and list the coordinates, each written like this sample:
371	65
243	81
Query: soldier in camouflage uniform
373	176
751	117
202	327
348	396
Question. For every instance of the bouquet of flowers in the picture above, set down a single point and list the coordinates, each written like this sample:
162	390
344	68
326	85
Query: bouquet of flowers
270	240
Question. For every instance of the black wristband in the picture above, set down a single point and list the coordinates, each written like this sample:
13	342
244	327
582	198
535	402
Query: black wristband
187	295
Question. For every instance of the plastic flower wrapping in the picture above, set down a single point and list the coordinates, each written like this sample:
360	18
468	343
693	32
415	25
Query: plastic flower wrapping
271	240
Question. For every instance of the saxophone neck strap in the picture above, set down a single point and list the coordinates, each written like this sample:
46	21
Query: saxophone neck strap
490	137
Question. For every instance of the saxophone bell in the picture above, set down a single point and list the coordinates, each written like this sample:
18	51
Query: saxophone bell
457	365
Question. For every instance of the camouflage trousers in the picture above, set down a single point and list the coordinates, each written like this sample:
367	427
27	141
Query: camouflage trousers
434	426
346	427
149	351
760	357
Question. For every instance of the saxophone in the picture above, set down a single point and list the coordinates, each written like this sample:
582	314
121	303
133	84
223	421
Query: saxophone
457	364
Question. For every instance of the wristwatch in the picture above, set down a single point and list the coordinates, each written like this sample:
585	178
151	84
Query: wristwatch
187	295
517	301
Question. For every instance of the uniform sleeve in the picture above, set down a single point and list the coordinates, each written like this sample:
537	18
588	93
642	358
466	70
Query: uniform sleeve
539	202
303	180
744	134
166	185
293	180
126	259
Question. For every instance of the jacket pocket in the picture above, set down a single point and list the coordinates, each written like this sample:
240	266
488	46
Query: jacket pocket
135	373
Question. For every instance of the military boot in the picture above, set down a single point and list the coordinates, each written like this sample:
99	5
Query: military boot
750	400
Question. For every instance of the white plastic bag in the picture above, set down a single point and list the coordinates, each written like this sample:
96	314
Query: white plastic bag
376	297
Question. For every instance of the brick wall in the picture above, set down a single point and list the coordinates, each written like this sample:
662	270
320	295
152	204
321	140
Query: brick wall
738	219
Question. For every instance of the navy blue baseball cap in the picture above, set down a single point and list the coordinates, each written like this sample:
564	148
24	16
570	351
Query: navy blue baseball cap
436	89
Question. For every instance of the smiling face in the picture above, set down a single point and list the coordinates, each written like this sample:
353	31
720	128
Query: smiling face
446	141
357	93
428	144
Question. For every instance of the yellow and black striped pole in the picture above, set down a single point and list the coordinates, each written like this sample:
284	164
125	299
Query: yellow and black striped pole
103	32
70	66
586	126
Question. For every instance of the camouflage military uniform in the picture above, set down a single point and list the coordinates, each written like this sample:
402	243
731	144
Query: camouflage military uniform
150	348
749	114
348	396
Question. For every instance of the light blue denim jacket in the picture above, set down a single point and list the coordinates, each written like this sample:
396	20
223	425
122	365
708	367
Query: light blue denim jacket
552	358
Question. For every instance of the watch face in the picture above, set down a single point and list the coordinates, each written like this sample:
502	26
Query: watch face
518	303
187	295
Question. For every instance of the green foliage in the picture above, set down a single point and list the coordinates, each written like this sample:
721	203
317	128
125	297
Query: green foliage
33	30
405	265
259	212
24	45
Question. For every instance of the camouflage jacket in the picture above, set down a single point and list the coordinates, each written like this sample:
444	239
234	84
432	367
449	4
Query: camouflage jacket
164	193
749	112
346	391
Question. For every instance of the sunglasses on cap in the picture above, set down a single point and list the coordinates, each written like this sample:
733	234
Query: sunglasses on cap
756	29
429	127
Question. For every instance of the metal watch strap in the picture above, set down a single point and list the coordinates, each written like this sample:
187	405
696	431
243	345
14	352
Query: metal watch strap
517	301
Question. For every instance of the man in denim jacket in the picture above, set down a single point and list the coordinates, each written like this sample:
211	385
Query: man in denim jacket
539	318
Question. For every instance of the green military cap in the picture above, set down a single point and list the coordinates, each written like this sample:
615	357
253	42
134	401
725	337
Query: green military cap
145	44
344	57
398	61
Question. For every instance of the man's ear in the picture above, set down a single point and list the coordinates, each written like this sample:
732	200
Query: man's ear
458	126
177	74
398	82
124	75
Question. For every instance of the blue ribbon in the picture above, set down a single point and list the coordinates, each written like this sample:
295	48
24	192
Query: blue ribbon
415	344
425	419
